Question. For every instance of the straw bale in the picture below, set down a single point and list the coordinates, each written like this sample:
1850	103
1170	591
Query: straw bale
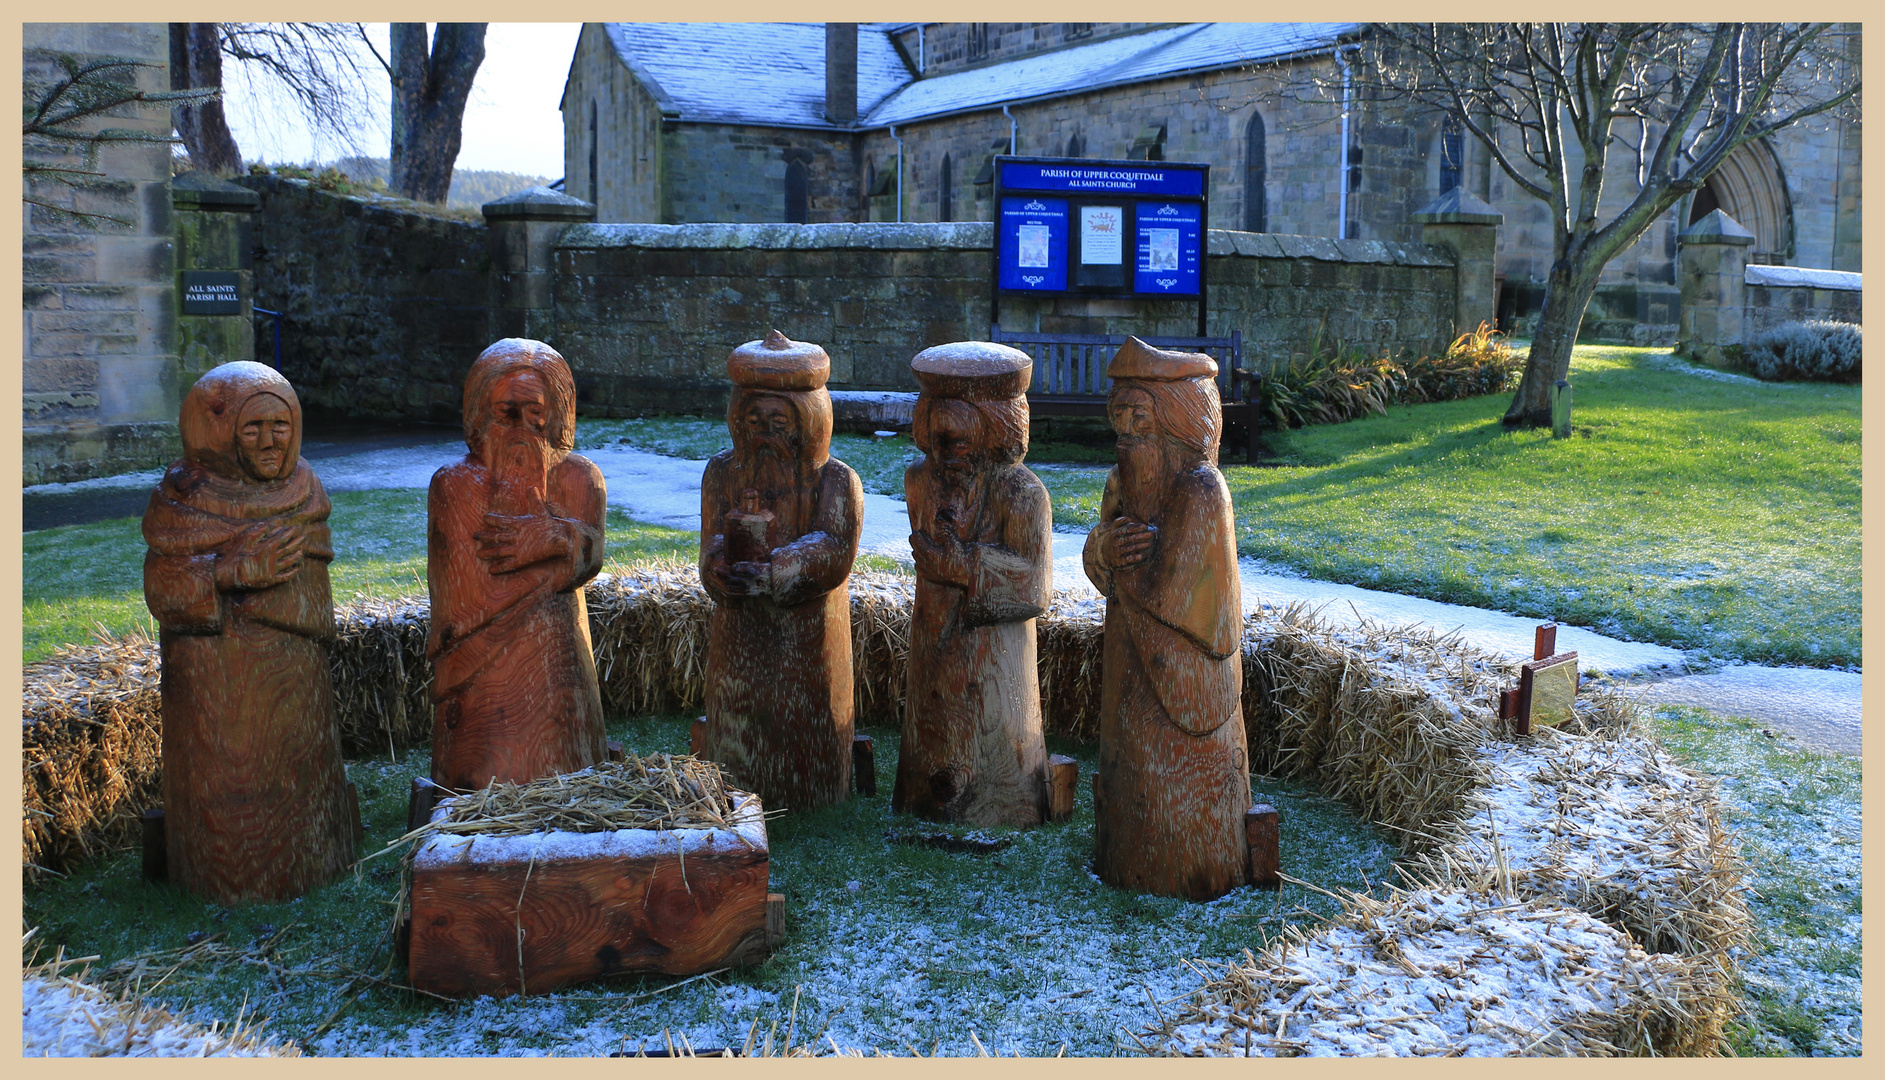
1443	973
91	750
65	1016
661	792
381	675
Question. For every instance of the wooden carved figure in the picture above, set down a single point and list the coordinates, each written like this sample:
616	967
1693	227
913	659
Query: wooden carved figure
982	534
515	530
1173	779
779	520
255	798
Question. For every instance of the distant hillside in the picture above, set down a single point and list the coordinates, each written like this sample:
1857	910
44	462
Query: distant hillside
471	188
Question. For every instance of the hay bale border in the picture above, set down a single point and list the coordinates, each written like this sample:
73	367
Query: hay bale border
1398	722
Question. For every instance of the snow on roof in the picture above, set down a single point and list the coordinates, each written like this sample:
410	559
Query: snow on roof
753	73
1115	61
774	73
1805	276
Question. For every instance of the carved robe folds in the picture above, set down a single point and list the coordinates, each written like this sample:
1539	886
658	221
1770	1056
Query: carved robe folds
255	800
982	536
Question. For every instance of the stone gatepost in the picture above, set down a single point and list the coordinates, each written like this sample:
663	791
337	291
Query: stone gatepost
523	232
215	273
1466	226
1714	272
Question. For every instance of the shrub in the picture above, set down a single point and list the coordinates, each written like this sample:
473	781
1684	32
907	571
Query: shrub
1818	350
1333	387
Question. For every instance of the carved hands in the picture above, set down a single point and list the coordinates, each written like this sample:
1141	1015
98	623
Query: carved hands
741	578
510	543
1125	543
261	557
942	556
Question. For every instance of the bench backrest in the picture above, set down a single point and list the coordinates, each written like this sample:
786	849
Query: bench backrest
1074	365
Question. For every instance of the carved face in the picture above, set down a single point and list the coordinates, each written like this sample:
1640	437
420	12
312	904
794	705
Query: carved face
264	429
518	401
954	436
772	428
1131	414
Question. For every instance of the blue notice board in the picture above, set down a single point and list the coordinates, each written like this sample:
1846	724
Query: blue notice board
1169	244
1104	178
1032	247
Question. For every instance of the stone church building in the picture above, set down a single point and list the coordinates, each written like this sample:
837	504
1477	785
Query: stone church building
808	122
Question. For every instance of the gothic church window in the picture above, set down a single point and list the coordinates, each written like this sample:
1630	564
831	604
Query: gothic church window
798	208
592	152
1256	165
978	40
1076	146
948	192
1452	154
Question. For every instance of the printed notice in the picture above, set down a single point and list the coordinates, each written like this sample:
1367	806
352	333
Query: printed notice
1102	235
1032	248
1161	250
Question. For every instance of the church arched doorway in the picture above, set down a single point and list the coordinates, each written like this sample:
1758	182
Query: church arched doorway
1750	188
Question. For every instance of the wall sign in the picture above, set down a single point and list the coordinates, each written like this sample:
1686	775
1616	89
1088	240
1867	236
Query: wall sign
1079	227
212	292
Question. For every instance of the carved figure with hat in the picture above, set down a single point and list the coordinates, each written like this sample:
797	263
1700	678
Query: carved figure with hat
982	534
779	523
1173	779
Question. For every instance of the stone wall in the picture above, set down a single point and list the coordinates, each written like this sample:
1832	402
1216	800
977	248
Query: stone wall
1772	304
385	303
646	314
98	365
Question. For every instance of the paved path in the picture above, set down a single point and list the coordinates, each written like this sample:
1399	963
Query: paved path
1819	707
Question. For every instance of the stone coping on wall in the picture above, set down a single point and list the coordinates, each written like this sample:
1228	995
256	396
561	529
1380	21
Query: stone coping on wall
1802	277
970	235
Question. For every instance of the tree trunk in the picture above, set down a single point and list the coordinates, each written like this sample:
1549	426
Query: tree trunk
1568	289
196	61
429	94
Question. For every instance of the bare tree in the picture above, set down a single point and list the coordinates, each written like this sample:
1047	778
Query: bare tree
60	143
1551	102
196	63
430	88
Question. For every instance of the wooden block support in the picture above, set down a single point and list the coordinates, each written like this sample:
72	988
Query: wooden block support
1063	773
697	738
1506	702
775	919
863	765
156	861
1545	641
499	920
616	752
353	807
425	796
1260	830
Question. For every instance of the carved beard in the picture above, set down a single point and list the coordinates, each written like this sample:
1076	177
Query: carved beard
772	463
955	496
1144	470
520	464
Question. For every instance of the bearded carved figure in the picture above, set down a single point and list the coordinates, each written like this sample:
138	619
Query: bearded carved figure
982	535
779	521
515	531
255	799
1173	780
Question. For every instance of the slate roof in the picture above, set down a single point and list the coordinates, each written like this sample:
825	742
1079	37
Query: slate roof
1116	61
751	73
774	73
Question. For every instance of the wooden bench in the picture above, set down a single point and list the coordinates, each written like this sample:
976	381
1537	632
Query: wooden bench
1070	374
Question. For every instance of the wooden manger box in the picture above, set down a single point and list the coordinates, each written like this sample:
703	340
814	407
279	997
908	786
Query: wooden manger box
530	913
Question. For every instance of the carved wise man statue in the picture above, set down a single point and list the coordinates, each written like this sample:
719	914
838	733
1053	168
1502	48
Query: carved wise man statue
779	521
255	799
982	535
1173	780
515	530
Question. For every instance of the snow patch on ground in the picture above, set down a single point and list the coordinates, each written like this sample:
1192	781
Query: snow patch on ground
62	1017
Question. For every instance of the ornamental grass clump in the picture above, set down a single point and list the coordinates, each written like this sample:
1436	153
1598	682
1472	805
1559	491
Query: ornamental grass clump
1337	386
1815	350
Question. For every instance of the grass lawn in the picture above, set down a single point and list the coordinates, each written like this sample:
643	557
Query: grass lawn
888	944
1797	814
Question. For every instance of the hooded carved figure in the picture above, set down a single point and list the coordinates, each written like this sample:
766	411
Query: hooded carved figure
779	521
515	531
1174	781
982	536
255	799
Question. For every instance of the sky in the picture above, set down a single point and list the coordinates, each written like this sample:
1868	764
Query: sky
511	122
